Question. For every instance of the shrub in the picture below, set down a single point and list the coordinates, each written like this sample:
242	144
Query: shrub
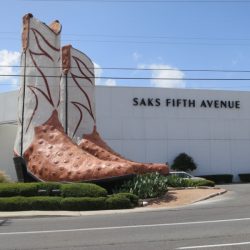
118	201
199	183
146	186
14	204
66	190
3	177
16	189
20	203
44	203
184	162
134	199
27	189
244	177
175	181
82	190
83	203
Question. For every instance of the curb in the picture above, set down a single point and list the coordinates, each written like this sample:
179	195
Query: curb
210	196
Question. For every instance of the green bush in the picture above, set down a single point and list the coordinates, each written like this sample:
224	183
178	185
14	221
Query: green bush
199	183
16	189
3	177
117	201
83	203
244	177
82	190
184	162
145	186
175	181
20	203
66	190
134	199
45	203
14	204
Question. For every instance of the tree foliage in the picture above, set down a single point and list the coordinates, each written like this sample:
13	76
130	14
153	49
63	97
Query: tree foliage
184	162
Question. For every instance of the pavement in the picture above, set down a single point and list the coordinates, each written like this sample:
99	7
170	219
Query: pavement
173	199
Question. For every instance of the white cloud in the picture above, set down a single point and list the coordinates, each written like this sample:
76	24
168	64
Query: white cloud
110	82
99	81
165	71
7	60
136	56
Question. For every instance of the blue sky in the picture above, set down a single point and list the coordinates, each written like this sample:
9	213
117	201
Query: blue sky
143	34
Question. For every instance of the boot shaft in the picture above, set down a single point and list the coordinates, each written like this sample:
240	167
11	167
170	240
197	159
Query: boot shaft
77	109
40	78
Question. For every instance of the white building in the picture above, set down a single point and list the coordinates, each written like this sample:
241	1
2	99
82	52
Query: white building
156	124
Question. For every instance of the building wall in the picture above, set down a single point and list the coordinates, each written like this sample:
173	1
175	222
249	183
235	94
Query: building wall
217	138
7	138
8	116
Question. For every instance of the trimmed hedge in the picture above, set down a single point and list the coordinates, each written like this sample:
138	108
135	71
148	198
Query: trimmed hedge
219	178
20	203
134	199
175	181
16	189
200	183
47	188
244	177
83	203
82	190
117	201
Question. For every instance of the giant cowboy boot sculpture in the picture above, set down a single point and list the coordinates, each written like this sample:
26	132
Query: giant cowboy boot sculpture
49	153
79	110
40	85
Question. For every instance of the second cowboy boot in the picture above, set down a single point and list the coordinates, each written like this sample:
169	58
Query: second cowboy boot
79	110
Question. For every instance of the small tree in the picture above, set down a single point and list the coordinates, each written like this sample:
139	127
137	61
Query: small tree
184	162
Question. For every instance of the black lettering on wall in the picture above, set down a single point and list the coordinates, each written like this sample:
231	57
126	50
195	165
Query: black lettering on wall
168	101
230	104
135	101
150	102
209	103
216	104
157	102
191	103
203	104
223	104
187	103
237	104
142	102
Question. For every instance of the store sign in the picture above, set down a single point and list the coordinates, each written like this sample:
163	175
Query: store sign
186	103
